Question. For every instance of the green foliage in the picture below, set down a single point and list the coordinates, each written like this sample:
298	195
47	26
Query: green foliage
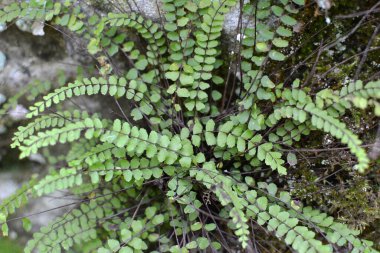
177	168
9	246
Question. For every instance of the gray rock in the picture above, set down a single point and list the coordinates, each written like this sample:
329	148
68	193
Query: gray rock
8	185
38	28
18	112
2	98
3	129
3	27
32	57
55	200
10	181
3	60
151	9
38	158
324	4
23	25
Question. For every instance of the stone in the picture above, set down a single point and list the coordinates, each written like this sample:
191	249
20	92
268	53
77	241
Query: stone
3	129
3	61
31	57
8	185
18	112
38	28
2	98
151	9
23	25
11	181
3	27
38	158
324	4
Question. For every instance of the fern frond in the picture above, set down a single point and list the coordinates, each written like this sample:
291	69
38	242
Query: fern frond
133	170
75	227
354	94
291	131
181	43
149	30
78	149
236	137
47	121
262	43
322	120
205	55
357	89
99	153
222	187
167	149
327	226
271	158
114	86
64	179
29	11
336	232
68	133
277	220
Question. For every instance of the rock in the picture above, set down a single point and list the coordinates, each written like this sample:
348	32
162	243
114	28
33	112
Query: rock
18	75
38	158
3	27
3	60
18	112
2	99
324	4
8	185
38	28
3	129
23	25
54	200
147	7
32	57
11	181
151	9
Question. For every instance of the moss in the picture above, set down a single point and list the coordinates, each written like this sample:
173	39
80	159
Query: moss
352	198
343	58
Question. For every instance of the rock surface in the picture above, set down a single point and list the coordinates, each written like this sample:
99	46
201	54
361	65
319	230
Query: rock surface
12	180
30	57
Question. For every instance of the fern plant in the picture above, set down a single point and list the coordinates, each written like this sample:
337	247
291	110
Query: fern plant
175	173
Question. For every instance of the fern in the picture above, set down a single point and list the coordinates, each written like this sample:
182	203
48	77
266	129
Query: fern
66	178
179	171
77	226
47	121
354	94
